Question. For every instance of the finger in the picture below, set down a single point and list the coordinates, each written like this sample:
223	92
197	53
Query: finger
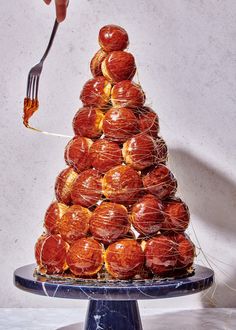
47	1
61	10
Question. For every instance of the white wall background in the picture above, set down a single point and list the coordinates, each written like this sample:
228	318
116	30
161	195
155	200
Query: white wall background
186	56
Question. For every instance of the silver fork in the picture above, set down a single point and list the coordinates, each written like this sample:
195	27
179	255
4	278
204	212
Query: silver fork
31	100
34	74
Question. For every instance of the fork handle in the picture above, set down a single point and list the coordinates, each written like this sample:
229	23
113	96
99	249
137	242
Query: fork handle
54	30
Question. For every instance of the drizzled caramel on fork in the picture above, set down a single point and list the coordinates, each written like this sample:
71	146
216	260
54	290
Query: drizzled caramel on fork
30	107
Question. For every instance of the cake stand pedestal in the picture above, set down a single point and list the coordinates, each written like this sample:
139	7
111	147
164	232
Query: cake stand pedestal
113	305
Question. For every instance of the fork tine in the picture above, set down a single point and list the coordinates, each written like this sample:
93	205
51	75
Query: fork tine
37	87
29	83
33	88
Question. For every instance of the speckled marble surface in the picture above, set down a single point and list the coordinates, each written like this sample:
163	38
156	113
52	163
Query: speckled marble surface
152	319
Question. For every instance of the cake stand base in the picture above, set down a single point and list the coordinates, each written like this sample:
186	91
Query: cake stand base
115	315
113	305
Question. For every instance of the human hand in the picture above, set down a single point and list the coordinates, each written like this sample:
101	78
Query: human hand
61	6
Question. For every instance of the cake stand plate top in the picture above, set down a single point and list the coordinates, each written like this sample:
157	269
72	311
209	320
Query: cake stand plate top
25	279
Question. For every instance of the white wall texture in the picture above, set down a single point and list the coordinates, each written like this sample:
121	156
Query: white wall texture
186	56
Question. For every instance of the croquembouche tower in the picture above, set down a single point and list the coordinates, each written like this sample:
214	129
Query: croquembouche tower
115	212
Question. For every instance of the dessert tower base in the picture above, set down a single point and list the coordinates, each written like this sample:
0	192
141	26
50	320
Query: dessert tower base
113	305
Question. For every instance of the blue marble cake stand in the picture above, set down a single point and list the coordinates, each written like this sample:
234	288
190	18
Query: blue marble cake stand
113	305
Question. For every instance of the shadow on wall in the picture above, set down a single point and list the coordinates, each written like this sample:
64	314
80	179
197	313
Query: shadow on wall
211	196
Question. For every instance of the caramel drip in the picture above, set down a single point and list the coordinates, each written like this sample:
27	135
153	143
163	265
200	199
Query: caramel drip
30	107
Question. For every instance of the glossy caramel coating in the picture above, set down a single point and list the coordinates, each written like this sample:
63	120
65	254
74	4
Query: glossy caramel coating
160	182
53	217
119	124
148	121
104	155
64	184
109	222
38	249
140	151
124	259
96	63
85	257
75	223
127	94
161	254
176	215
113	37
77	153
118	66
87	189
88	122
147	215
50	254
186	251
96	92
122	184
